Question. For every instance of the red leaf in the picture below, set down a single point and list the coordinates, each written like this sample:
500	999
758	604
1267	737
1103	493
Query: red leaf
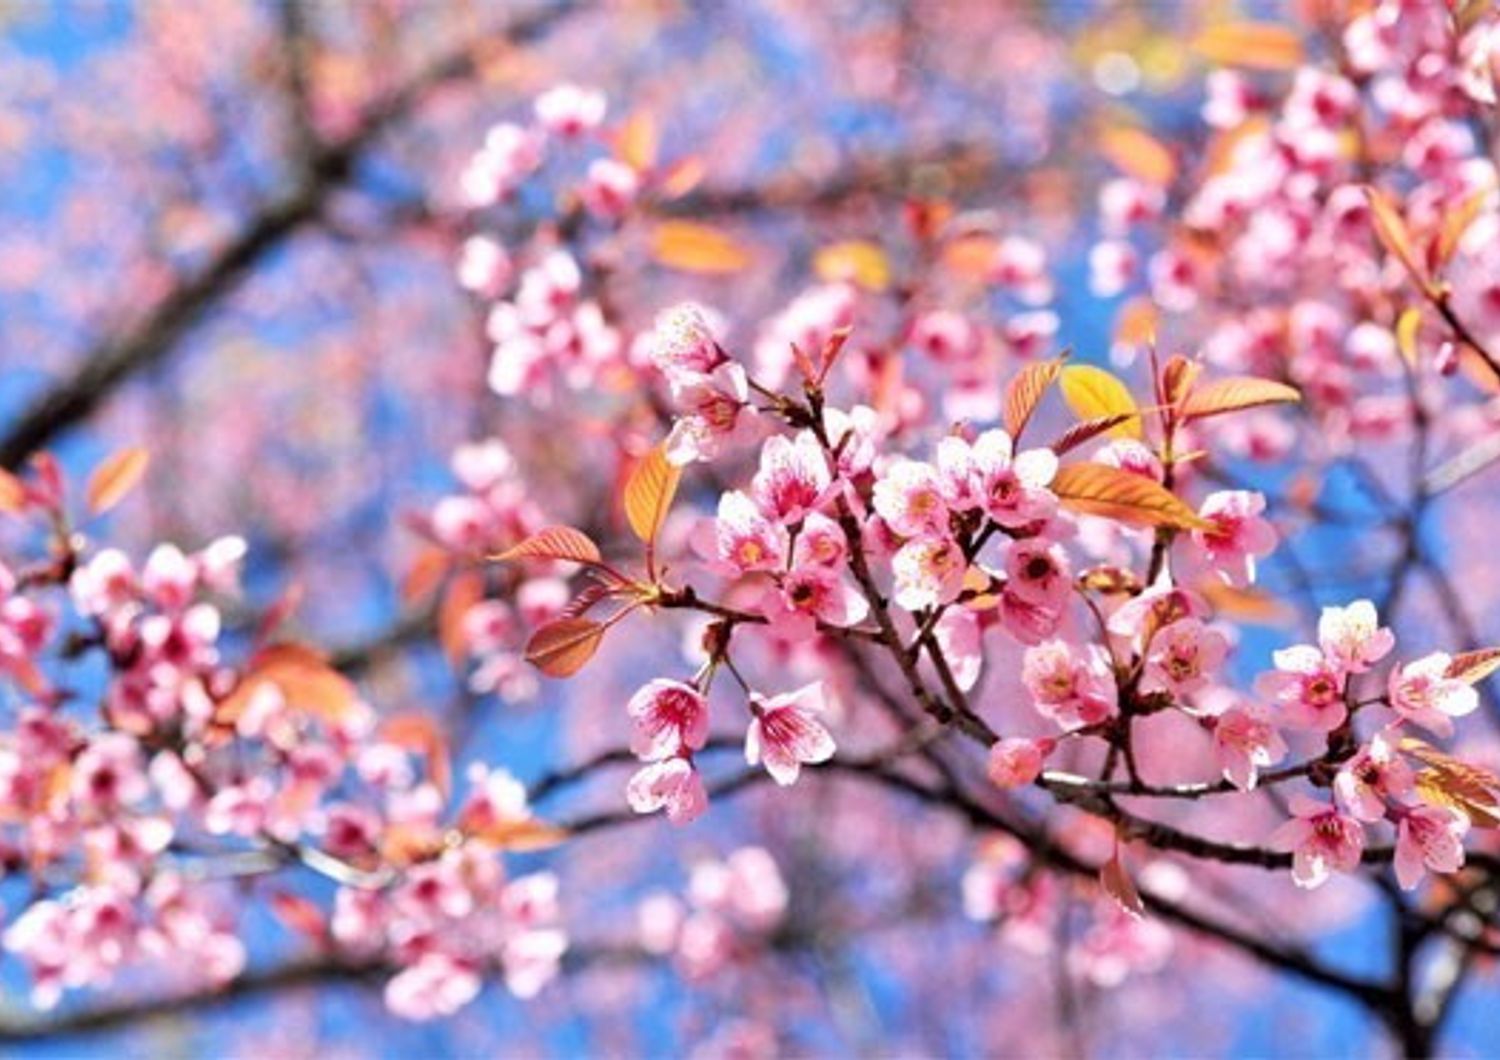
1025	391
561	648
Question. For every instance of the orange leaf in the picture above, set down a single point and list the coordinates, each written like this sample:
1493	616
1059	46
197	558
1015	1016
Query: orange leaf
649	492
1245	605
525	834
554	542
681	177
462	593
304	679
858	261
692	247
1138	154
561	648
116	477
1471	667
1257	45
1233	395
971	255
1024	393
300	914
424	575
1456	223
1390	228
420	734
1123	495
1092	393
1136	324
12	492
637	140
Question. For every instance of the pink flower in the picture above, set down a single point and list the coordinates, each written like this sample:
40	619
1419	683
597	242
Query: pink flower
1184	656
1016	762
960	639
610	189
807	596
683	343
670	717
1321	841
929	571
109	773
672	785
793	479
1374	775
1014	486
1308	688
1239	535
1245	742
1352	637
1072	685
436	985
570	111
1037	571
1428	837
1424	694
746	539
712	408
785	733
909	498
945	336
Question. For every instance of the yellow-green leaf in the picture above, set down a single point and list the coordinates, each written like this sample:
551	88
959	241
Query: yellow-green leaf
1093	393
858	261
1098	489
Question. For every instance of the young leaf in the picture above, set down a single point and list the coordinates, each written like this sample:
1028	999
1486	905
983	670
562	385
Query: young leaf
300	914
1233	395
1391	230
116	477
1092	393
1116	882
691	247
520	835
1471	667
1456	223
1256	45
419	733
560	648
649	492
1088	430
1138	154
858	261
636	141
1024	392
303	677
1123	495
460	596
1407	326
12	492
553	542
